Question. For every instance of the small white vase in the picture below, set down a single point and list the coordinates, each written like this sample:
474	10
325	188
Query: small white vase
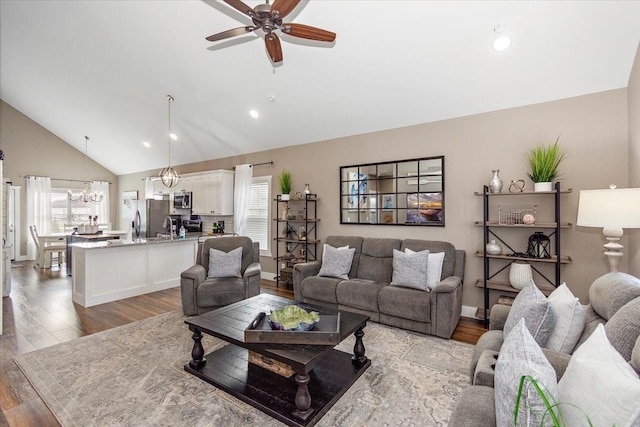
542	186
284	197
520	274
493	248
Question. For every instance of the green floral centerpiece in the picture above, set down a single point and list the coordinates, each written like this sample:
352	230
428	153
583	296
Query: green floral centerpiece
293	318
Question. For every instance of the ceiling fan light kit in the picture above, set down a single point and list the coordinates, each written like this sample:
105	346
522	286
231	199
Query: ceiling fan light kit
169	175
268	18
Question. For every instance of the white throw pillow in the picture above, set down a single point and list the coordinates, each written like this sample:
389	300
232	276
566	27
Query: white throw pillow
225	264
535	308
521	355
598	382
410	269
336	262
569	320
434	266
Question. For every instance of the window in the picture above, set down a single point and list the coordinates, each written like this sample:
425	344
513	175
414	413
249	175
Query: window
65	211
258	228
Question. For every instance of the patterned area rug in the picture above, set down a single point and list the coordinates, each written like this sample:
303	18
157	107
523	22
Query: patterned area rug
133	375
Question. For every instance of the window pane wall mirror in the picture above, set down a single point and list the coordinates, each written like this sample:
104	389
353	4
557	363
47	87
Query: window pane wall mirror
402	192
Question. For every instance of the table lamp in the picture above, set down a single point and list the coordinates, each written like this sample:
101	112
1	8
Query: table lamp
612	209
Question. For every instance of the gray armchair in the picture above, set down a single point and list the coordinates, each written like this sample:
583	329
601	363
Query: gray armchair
201	293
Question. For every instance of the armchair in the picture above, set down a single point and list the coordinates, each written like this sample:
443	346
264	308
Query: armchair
201	293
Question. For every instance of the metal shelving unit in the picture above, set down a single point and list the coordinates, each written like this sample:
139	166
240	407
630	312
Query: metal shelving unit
296	235
496	230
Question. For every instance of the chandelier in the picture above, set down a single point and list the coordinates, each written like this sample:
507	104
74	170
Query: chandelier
169	176
86	196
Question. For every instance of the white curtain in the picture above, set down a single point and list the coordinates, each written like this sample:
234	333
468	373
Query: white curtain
38	209
101	209
241	197
148	188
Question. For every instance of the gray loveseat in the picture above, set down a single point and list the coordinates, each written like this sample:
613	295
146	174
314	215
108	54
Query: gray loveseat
368	290
615	303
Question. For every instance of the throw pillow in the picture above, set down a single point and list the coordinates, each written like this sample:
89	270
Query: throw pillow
533	306
635	355
569	320
225	264
410	269
600	384
623	328
520	355
336	262
434	267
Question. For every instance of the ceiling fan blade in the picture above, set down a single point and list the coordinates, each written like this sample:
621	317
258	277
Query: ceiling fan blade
284	7
230	33
238	5
273	47
308	32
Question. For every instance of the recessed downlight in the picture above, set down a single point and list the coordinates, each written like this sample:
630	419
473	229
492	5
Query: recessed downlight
173	136
254	114
501	43
146	144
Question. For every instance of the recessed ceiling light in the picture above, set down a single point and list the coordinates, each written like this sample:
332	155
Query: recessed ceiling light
501	43
146	144
254	113
173	136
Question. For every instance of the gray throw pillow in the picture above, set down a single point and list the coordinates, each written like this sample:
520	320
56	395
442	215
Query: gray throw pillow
225	264
623	328
520	355
336	262
531	305
410	269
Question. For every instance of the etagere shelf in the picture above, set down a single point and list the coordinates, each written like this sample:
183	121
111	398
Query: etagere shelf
296	235
500	231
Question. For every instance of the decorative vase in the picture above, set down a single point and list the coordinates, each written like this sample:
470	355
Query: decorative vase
306	189
542	186
495	185
284	197
520	274
493	248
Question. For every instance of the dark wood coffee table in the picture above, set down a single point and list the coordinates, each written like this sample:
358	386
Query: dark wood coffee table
322	373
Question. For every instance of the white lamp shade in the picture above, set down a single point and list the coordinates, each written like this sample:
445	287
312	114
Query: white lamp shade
611	208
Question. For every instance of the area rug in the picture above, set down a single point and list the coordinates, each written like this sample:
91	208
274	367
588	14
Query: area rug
133	376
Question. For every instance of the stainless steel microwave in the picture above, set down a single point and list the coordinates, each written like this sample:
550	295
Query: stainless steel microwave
182	200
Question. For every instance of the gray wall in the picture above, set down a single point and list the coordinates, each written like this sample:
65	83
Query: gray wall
595	132
30	149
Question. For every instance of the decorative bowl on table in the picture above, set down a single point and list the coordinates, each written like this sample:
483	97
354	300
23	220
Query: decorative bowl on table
293	318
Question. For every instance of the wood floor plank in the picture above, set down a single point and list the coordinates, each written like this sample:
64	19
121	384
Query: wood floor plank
40	312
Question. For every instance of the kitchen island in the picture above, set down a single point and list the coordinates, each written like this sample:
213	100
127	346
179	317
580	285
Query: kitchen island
115	269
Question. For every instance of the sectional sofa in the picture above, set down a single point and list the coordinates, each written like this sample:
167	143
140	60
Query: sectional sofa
368	290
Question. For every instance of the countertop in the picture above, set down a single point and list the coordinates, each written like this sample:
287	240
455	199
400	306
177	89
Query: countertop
198	237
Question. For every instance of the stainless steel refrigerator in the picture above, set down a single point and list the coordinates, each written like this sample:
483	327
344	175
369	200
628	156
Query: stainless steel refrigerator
157	211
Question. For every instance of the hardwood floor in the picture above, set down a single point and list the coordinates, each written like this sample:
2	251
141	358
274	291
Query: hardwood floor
39	313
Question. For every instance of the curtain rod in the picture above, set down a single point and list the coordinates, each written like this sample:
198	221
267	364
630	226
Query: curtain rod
64	179
258	164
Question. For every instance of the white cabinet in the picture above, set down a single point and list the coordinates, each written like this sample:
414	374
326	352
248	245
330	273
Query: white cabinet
213	193
185	184
159	188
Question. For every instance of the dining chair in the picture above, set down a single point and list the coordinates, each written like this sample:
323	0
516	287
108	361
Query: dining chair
43	249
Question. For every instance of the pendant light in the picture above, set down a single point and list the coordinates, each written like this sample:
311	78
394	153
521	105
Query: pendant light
86	196
169	176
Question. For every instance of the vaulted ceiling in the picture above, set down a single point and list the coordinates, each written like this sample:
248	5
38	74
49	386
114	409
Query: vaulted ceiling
104	68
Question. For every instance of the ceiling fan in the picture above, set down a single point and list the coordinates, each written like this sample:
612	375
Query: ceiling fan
268	18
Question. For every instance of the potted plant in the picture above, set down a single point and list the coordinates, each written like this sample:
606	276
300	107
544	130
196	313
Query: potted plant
285	184
543	165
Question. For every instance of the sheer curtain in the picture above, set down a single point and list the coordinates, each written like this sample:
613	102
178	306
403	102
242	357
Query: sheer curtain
241	197
101	209
38	209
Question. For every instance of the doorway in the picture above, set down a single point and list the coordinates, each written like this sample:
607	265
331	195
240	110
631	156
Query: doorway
13	221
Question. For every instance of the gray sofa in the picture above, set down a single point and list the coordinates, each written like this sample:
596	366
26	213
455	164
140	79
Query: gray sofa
368	290
608	295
